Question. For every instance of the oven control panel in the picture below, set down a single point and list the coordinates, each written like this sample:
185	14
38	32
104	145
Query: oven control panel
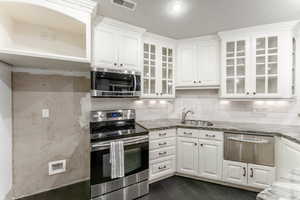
112	115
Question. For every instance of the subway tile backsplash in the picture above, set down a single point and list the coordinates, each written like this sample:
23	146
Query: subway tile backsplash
207	106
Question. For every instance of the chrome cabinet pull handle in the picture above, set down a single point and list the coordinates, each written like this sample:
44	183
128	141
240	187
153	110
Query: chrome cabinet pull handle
252	173
162	134
213	136
244	168
162	144
162	153
185	133
164	167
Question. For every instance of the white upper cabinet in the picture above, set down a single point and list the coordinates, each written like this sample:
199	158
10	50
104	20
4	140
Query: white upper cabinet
117	45
158	66
198	63
258	62
46	34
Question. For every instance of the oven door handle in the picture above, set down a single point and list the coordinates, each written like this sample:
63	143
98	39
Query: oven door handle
131	141
249	141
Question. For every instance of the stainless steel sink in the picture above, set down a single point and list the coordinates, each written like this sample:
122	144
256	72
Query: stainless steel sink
198	123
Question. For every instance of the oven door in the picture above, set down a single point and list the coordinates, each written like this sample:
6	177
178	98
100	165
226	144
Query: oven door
115	84
136	163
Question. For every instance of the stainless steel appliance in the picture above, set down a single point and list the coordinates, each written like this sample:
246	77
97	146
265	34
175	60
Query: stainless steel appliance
108	126
255	149
115	83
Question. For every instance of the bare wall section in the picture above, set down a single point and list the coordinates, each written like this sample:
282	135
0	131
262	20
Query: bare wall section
38	141
5	132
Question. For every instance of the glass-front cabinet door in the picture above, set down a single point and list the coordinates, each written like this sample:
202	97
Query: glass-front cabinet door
167	70
149	70
236	67
266	66
158	70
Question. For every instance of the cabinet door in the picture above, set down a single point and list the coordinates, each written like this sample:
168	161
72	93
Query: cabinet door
210	159
105	48
235	68
187	155
129	51
288	158
235	172
208	64
266	66
187	72
150	70
167	72
260	176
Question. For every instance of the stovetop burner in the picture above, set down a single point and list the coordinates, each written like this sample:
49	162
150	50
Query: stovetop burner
114	124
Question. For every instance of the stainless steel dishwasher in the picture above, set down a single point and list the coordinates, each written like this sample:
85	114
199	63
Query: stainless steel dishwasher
254	149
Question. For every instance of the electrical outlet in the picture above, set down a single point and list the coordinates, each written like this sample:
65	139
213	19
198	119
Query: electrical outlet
57	167
45	113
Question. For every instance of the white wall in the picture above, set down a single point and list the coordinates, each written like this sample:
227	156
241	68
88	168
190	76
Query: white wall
5	132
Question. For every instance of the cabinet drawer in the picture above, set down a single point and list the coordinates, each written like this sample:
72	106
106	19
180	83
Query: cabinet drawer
157	144
188	132
160	153
162	134
162	168
211	135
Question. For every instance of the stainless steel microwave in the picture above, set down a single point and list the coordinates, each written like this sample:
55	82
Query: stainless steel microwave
113	83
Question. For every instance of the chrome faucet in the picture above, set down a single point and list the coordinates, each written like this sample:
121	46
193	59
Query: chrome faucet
184	114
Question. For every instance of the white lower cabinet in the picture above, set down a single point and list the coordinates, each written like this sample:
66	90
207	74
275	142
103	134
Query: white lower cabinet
288	158
235	172
260	176
187	155
162	154
210	159
162	168
256	176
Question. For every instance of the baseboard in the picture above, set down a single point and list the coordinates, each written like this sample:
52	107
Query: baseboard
161	178
220	182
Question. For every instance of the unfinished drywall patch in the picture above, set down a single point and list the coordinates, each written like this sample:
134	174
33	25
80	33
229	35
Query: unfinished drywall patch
84	119
38	141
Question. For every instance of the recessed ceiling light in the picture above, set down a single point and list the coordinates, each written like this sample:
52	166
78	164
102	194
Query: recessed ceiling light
176	8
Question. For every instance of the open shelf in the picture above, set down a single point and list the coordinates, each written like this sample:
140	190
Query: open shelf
35	36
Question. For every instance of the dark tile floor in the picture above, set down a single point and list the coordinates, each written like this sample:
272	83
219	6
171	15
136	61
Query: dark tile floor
180	188
174	188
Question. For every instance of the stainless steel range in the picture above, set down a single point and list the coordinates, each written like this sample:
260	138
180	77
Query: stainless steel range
113	126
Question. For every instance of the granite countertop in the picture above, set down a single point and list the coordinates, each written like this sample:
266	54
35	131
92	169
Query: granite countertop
286	131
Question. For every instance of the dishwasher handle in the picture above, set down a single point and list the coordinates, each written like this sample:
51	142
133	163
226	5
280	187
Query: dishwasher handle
249	141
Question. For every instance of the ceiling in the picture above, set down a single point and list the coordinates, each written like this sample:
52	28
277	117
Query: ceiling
202	17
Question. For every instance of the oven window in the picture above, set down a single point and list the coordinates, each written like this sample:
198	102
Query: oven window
132	162
136	159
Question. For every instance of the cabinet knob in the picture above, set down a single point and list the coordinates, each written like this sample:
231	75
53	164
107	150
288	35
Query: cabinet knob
200	81
161	94
121	65
247	93
115	64
254	93
195	144
156	94
201	145
195	81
